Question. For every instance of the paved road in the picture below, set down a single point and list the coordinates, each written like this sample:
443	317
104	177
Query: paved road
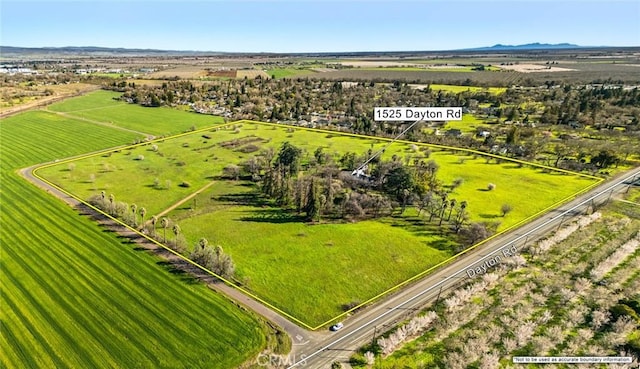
360	329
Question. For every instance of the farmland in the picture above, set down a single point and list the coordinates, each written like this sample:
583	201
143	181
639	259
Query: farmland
572	294
100	106
322	259
288	72
74	296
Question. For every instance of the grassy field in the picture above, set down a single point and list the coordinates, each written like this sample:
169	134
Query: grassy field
456	89
74	296
468	124
100	106
326	263
288	72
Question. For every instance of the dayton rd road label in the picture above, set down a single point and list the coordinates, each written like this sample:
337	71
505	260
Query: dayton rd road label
507	251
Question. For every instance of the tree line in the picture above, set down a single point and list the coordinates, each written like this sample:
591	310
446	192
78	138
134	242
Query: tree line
211	257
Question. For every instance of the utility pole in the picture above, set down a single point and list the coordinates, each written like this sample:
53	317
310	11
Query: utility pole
373	339
561	221
609	198
438	297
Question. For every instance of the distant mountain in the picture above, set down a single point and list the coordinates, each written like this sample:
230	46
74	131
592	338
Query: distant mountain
532	46
90	50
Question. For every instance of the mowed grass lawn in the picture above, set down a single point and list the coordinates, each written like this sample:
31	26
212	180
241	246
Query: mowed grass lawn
100	106
75	296
309	271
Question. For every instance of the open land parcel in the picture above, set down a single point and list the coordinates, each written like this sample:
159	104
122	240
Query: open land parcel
310	271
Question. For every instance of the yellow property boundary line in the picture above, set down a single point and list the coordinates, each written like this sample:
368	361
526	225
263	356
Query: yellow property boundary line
383	139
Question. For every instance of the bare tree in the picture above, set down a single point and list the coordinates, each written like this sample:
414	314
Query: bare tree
506	209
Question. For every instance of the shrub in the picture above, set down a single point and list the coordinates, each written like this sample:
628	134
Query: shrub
249	149
351	305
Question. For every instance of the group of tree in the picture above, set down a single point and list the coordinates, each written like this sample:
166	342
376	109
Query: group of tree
604	108
212	258
319	187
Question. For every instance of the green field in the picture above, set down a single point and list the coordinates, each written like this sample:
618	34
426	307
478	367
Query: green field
457	89
468	124
75	296
309	271
288	72
100	106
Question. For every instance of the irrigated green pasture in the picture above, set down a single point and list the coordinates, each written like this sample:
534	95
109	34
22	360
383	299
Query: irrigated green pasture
309	271
288	72
100	106
457	89
75	296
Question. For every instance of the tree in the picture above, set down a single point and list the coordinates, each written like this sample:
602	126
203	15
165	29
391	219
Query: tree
348	161
320	156
425	201
313	205
112	204
154	220
142	213
452	204
475	232
253	166
289	158
134	213
397	180
506	209
461	216
604	159
222	265
232	171
165	224
176	231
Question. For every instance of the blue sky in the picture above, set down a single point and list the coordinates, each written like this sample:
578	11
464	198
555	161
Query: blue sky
317	26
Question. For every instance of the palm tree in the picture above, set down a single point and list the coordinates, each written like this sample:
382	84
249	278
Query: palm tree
444	208
452	204
142	212
112	200
203	243
176	232
134	209
165	224
154	220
